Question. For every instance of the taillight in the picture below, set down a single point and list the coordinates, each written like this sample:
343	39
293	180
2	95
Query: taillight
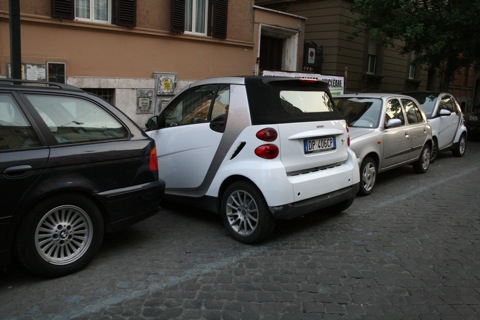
267	134
267	151
348	136
153	160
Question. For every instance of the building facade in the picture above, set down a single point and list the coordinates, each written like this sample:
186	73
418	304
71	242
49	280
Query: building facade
137	54
366	65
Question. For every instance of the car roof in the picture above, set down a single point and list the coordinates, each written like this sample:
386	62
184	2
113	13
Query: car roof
372	95
32	84
243	79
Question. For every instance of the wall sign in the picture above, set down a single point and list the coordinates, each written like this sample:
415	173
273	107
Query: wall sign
165	83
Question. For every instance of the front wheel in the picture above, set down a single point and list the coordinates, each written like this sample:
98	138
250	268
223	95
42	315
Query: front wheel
434	153
422	164
368	176
60	235
245	213
461	147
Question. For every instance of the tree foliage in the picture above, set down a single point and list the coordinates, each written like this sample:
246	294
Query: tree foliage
443	34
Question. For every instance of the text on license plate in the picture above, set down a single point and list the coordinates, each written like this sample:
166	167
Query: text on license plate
319	144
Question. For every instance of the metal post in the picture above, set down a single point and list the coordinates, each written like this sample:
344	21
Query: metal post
15	47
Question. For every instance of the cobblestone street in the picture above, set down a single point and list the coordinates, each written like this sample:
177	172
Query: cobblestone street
410	250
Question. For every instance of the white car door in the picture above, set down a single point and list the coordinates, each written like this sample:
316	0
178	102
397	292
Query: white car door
186	142
446	125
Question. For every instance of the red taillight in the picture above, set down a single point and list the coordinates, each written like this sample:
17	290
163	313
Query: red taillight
267	134
267	151
153	160
348	136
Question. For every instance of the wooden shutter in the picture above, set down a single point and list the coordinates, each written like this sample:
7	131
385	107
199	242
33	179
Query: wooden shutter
177	22
125	13
219	19
63	9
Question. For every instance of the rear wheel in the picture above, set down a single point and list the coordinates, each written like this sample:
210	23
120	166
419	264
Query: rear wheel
368	175
60	235
422	164
461	147
245	213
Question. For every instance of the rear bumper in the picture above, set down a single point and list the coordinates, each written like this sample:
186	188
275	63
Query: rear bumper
300	208
127	206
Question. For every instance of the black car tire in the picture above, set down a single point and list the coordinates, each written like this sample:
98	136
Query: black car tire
423	162
460	147
368	176
60	235
434	153
245	213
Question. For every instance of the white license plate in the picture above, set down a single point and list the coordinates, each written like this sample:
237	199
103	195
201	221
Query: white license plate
319	144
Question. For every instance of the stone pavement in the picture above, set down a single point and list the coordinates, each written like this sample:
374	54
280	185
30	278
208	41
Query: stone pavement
410	250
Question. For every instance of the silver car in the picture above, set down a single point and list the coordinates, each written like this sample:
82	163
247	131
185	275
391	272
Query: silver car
387	131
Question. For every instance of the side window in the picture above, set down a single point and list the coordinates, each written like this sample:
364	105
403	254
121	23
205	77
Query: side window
198	105
413	112
394	111
447	103
16	133
73	120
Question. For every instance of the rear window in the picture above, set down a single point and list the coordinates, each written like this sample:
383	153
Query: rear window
280	100
427	101
360	112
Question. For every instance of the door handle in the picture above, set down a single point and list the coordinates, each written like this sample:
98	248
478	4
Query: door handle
17	170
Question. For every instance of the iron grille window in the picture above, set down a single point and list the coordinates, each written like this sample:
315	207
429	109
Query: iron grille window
106	94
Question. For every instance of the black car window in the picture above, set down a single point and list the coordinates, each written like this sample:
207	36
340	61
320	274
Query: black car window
16	133
198	105
413	112
275	100
73	120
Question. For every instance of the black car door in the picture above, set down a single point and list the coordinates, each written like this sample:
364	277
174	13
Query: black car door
22	160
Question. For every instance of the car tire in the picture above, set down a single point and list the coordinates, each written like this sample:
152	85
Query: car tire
460	147
60	235
368	176
434	153
245	213
423	162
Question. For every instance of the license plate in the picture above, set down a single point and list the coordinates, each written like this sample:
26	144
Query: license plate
319	144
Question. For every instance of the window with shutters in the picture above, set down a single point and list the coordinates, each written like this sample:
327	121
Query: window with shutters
99	11
119	12
196	16
202	17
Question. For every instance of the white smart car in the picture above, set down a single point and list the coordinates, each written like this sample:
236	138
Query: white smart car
255	149
446	118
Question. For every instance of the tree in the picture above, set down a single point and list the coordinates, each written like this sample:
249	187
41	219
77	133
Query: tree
442	33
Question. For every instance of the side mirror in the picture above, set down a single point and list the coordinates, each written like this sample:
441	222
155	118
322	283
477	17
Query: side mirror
152	123
444	112
393	123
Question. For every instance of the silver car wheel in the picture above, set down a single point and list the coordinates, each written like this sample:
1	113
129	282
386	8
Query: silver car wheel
426	158
63	235
242	212
369	175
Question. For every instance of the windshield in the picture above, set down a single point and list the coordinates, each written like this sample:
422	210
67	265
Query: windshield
360	112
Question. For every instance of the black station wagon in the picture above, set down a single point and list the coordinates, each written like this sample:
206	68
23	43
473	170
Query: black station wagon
72	167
